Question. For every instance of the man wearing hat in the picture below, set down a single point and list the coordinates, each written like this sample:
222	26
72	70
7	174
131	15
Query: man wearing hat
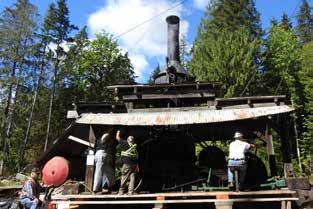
29	196
237	150
129	158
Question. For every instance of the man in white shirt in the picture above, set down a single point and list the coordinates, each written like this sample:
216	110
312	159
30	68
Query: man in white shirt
237	150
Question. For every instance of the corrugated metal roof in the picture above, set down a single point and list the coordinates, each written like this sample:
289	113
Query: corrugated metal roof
180	117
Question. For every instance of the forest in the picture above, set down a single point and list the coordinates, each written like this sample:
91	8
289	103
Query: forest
47	65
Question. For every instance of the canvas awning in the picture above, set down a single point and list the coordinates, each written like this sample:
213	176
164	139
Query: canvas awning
180	117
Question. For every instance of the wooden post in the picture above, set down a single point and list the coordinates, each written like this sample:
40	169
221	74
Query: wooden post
89	170
90	162
284	132
285	204
270	151
159	206
223	205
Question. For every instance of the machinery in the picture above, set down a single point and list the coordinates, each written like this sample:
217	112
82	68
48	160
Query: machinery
168	118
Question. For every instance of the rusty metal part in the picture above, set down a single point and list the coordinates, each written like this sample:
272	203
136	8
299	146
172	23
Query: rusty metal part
180	117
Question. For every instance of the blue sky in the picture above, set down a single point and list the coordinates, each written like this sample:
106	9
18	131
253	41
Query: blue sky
147	44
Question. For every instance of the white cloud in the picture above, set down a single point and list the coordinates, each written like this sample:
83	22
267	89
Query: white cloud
146	41
139	62
201	4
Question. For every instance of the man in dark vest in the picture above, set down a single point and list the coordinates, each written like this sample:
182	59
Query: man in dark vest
129	158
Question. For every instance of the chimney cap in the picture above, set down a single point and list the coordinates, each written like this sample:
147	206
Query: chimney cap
172	19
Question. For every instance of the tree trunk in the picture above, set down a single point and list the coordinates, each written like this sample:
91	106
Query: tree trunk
51	103
8	113
30	118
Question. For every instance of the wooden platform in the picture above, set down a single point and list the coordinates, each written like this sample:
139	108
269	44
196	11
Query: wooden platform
223	200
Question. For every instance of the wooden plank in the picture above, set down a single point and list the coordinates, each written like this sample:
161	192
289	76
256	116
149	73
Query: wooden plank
119	202
167	96
179	194
142	86
81	141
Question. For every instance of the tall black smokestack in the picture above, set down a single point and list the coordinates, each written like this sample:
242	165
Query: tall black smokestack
173	38
173	72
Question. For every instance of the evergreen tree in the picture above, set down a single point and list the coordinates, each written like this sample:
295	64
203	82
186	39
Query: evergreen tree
227	46
57	30
285	22
17	27
154	74
305	23
306	76
228	59
232	15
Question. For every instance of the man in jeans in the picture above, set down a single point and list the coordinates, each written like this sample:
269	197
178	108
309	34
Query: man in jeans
237	150
29	196
129	158
104	173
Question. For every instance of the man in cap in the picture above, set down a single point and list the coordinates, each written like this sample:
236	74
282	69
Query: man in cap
29	196
237	150
129	158
104	173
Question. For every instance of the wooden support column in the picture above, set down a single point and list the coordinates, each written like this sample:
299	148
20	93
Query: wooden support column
159	206
223	205
285	204
270	151
90	162
284	132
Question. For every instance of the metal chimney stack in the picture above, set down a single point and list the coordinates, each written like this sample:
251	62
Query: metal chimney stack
173	72
173	38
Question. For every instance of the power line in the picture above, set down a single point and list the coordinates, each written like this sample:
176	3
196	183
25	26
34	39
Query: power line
295	9
150	19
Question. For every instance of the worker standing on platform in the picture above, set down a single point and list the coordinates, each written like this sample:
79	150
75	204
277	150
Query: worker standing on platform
129	158
237	150
104	173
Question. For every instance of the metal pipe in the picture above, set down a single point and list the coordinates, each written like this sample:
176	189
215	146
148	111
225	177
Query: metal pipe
173	38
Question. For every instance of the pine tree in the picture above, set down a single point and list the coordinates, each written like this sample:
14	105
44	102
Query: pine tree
227	46
57	30
154	74
17	27
285	22
306	76
233	15
305	23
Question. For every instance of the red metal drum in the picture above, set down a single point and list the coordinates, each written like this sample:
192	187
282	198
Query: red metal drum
55	172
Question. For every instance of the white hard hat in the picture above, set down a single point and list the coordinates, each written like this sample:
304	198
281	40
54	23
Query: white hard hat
238	135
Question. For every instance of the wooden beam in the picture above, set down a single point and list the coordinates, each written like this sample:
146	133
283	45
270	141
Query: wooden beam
167	96
81	141
120	202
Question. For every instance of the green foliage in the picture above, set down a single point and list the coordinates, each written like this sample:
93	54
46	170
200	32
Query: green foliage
99	64
306	75
227	46
282	60
227	58
305	23
154	74
232	16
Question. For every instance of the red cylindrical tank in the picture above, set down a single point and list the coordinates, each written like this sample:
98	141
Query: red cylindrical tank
55	171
